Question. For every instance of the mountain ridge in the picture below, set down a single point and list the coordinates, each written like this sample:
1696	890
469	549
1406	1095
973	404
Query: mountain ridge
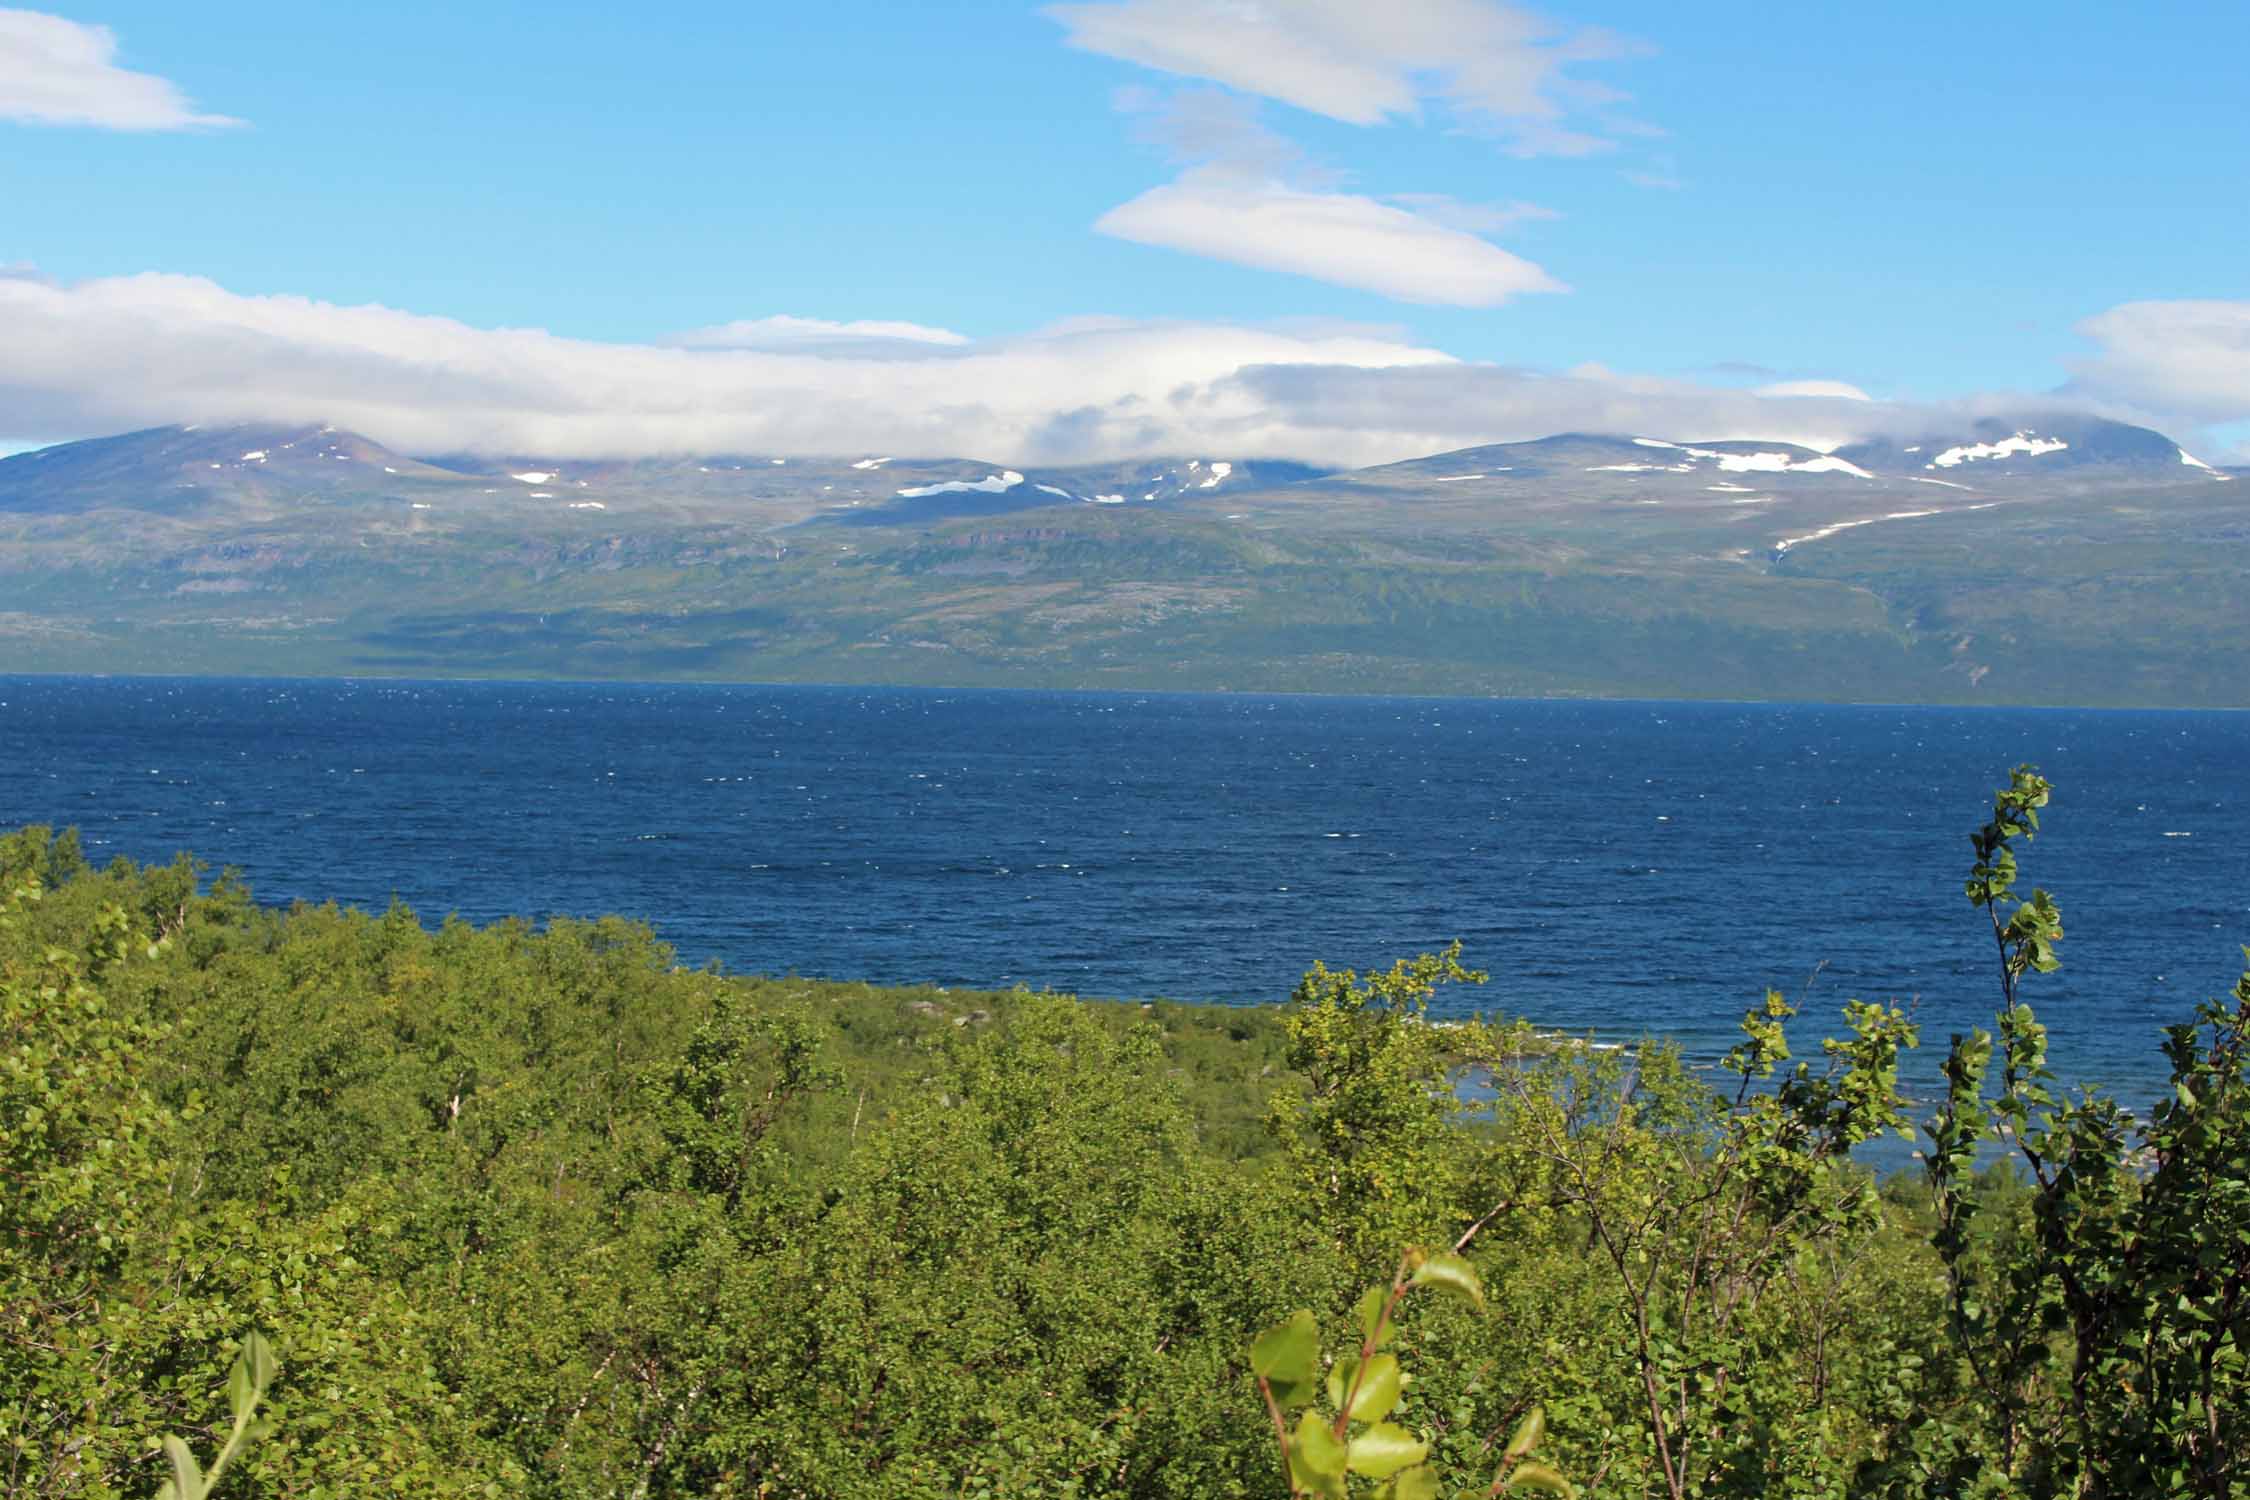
1620	565
155	464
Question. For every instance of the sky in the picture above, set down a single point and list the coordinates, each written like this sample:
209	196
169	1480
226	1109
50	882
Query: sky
1323	229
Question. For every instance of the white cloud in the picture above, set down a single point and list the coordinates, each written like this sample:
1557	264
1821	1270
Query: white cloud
1498	67
1202	127
812	335
1426	410
59	72
1471	218
1339	238
108	355
2190	358
1835	389
1251	197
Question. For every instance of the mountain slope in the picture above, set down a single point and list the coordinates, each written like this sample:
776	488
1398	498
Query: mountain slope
2081	564
180	470
2051	451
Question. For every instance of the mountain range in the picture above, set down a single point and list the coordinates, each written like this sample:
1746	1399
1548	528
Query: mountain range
2037	558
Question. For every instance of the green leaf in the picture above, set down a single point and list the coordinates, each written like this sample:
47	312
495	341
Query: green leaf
187	1476
1417	1483
1378	1389
1316	1449
1325	1486
241	1400
1384	1449
1529	1431
1540	1477
258	1354
1287	1357
1450	1273
1374	1328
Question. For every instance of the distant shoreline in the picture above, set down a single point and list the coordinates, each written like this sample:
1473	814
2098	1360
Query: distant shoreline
469	679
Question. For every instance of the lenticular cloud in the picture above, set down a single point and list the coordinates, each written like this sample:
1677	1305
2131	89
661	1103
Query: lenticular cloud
1334	237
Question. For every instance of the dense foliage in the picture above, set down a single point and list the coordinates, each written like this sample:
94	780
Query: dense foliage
535	1211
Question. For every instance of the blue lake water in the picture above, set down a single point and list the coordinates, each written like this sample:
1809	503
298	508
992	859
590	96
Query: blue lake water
1626	868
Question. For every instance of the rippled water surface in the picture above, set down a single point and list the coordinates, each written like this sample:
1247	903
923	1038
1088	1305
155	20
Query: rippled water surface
1624	867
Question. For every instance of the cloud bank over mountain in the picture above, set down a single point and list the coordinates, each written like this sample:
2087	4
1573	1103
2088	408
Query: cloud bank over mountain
2191	358
860	335
105	355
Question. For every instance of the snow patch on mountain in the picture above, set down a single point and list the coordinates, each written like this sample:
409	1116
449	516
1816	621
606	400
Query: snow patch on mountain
2025	443
2196	463
1828	531
1829	464
1219	471
991	484
534	476
1780	463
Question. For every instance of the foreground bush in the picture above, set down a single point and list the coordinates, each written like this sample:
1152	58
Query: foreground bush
536	1212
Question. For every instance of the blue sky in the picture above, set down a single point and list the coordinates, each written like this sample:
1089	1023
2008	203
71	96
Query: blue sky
1927	203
